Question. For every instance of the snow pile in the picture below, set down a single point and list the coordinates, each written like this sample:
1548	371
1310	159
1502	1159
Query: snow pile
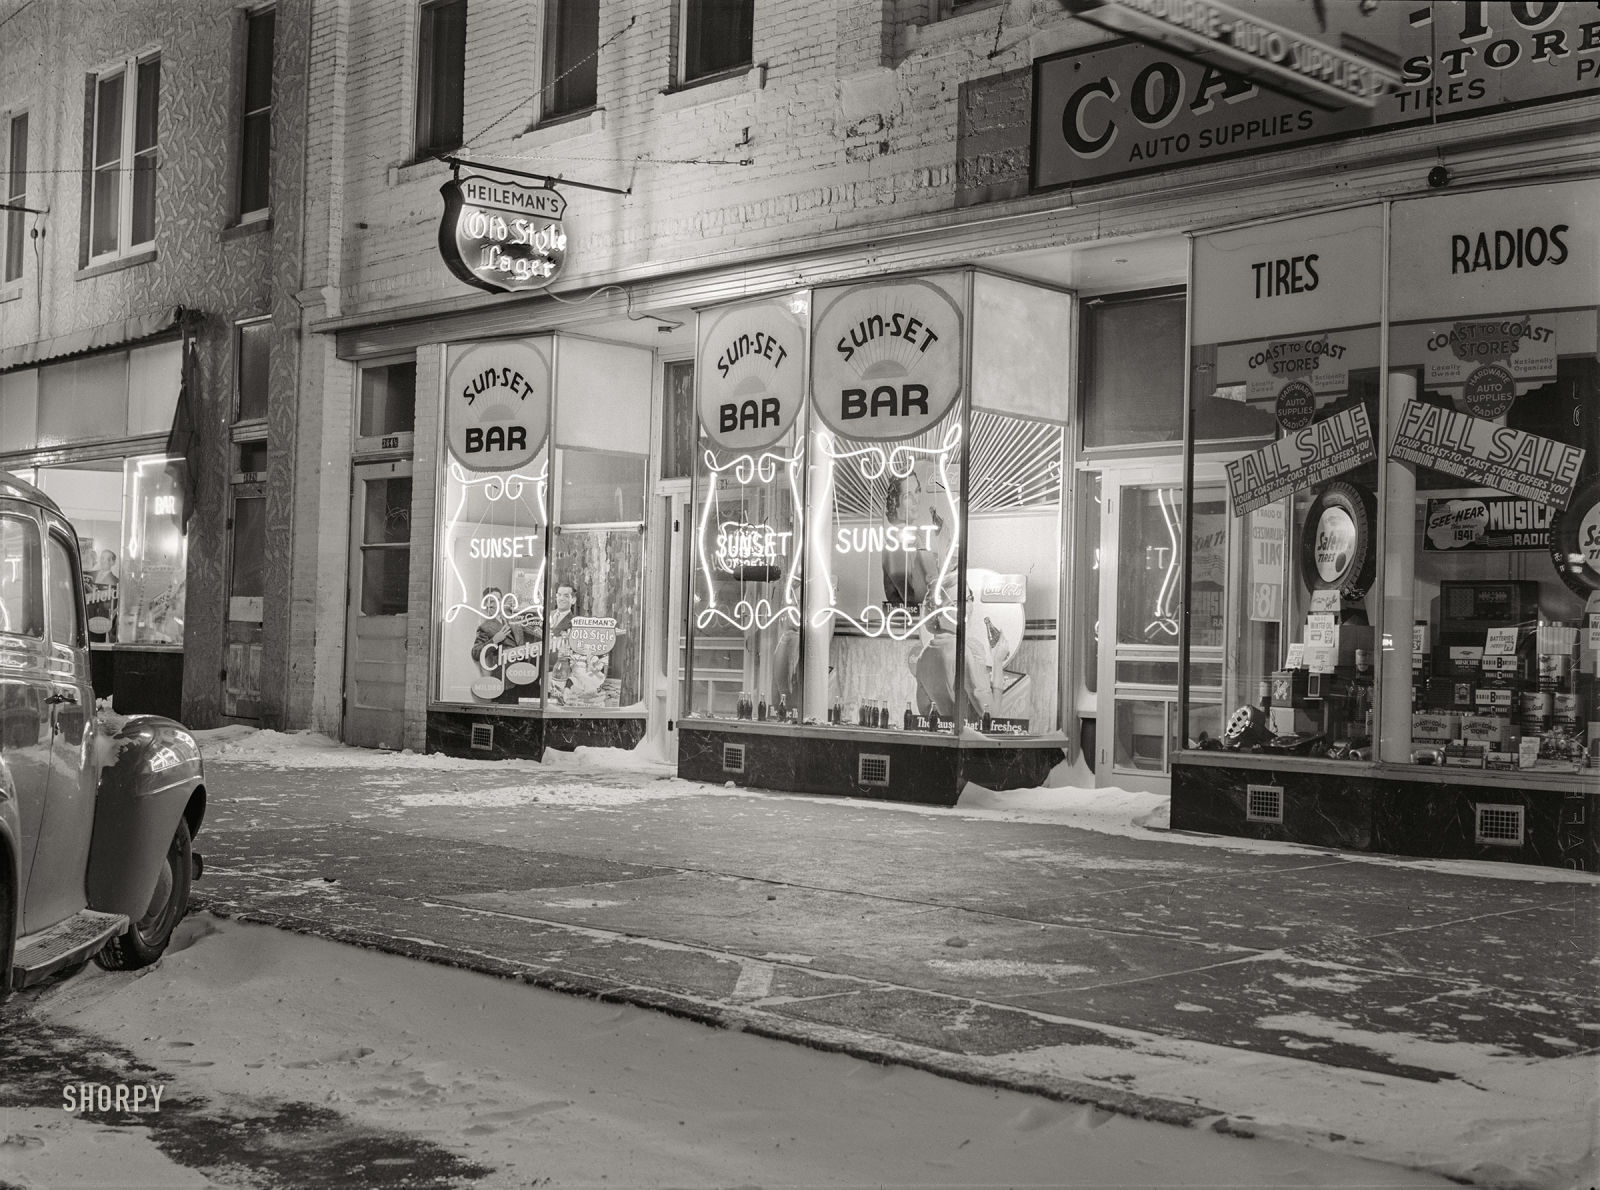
550	1089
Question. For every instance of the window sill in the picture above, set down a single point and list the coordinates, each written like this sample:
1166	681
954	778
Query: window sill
565	127
11	292
424	167
245	227
715	87
115	266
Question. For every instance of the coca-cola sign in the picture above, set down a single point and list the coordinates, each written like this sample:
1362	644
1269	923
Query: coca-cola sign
502	236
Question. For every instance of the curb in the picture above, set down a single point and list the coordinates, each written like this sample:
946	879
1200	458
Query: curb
718	1015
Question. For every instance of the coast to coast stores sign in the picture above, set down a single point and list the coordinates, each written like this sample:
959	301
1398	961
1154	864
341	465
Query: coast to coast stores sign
1250	44
502	236
1130	107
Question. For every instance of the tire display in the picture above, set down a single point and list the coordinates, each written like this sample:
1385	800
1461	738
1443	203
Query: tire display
1336	543
1575	540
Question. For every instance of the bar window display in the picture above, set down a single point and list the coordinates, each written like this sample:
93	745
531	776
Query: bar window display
1282	589
887	557
495	518
745	589
594	619
1495	479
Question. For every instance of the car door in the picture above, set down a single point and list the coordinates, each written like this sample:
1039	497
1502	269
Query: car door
56	883
25	731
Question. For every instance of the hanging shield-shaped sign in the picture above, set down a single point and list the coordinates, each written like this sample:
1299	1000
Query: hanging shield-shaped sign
501	235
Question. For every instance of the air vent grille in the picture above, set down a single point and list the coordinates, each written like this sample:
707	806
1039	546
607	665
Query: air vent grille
1263	803
733	758
1499	826
872	768
482	737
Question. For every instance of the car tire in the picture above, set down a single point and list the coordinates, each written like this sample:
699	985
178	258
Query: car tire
144	941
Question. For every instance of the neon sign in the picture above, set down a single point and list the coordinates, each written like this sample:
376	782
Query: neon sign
899	461
496	488
502	235
746	614
741	544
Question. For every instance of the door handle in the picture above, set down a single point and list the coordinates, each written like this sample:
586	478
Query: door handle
61	697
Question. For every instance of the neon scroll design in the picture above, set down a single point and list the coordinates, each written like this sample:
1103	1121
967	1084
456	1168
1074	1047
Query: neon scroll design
746	614
874	462
497	488
1165	611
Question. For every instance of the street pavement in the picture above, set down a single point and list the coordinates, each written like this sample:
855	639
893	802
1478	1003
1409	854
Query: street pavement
1436	1016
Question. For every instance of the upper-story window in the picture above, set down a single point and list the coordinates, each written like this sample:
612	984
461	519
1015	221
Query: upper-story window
255	129
571	45
441	73
16	195
717	37
122	157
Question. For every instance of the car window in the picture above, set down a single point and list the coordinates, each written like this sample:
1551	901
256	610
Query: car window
66	614
21	589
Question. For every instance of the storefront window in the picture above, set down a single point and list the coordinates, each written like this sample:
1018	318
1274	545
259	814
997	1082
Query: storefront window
541	568
1281	590
749	514
127	513
888	556
1495	453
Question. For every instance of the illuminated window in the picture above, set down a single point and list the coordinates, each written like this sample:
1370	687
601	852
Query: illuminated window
123	157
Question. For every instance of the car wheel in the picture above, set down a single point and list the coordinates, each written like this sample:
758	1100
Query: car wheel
143	942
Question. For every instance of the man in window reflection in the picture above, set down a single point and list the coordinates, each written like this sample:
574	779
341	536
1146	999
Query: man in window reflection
506	648
100	594
909	575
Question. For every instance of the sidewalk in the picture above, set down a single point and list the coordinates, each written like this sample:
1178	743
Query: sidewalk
1436	1015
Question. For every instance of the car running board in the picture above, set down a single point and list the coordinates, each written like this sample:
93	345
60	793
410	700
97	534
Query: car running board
75	940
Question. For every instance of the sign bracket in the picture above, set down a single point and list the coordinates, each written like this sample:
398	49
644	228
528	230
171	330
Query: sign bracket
456	163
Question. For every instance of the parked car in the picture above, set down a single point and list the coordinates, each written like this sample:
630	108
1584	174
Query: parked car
97	813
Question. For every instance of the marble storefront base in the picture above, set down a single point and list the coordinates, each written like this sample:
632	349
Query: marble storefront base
484	735
1383	812
898	766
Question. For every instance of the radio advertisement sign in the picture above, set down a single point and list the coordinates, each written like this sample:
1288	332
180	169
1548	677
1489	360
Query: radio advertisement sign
1301	459
1486	522
1127	107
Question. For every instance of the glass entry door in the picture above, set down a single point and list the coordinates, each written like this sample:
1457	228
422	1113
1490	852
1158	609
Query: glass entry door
1142	535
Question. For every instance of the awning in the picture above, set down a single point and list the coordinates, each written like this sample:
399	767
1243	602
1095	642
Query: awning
94	338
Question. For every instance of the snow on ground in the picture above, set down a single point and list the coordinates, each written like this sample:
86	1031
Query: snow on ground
541	1086
1108	810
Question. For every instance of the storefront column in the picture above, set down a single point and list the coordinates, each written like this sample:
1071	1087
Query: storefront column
1399	579
816	574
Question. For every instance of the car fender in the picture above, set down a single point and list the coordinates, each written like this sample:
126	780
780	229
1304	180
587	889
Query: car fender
150	776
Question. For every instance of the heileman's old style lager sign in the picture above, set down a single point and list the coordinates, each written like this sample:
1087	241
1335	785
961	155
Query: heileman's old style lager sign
502	236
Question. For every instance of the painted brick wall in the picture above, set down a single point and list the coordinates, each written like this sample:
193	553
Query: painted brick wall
852	117
48	52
